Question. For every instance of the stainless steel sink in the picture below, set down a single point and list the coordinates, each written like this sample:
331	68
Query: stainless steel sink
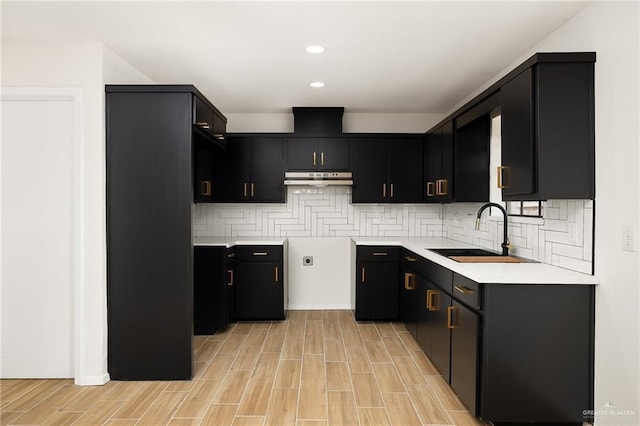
476	255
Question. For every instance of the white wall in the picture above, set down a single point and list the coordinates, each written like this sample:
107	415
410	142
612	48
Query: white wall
81	65
352	122
611	29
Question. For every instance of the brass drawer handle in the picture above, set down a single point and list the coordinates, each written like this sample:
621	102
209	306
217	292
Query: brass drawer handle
433	300
203	125
450	315
463	289
362	274
410	259
244	191
205	187
231	255
260	253
253	186
409	281
391	190
384	190
230	272
277	276
380	253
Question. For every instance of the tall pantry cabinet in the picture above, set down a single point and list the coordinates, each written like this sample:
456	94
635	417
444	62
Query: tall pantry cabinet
150	133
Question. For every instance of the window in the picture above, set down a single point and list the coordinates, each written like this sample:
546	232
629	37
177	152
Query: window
524	208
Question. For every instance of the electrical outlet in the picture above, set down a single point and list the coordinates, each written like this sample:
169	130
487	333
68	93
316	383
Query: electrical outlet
628	238
307	260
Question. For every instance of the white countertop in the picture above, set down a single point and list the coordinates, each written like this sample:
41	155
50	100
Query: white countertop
498	273
238	241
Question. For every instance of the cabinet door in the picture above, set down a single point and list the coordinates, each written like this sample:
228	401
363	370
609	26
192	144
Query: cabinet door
423	325
444	188
405	170
303	154
232	171
370	171
377	291
518	148
267	177
464	354
472	161
333	154
210	287
203	181
437	324
409	300
259	291
432	164
230	293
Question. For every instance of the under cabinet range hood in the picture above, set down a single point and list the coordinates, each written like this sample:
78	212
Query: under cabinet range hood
318	178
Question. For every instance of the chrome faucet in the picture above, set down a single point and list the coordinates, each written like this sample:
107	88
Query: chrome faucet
505	239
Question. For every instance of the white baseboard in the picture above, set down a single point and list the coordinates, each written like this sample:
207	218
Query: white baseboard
92	380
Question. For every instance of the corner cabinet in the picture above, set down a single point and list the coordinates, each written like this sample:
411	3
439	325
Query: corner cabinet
214	296
250	169
548	142
387	169
150	133
377	271
260	282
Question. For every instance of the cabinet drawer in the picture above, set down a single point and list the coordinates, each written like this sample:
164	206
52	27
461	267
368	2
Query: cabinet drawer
466	291
378	253
259	253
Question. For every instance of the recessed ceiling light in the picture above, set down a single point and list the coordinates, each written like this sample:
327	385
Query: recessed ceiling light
317	84
315	49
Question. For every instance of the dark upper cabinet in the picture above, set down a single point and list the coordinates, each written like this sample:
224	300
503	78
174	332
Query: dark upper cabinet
548	145
318	154
249	170
208	119
472	160
438	164
387	169
377	271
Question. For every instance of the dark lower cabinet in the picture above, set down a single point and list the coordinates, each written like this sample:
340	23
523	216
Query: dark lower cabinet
433	333
259	283
409	299
213	289
377	271
465	335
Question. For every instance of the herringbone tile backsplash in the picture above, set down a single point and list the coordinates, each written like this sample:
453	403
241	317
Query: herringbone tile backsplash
563	237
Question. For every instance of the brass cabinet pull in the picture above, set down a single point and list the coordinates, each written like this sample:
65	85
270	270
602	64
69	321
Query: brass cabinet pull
427	302
219	136
314	158
205	187
391	185
450	313
409	281
362	274
441	187
230	272
253	186
503	170
322	158
231	255
463	289
384	190
380	253
431	189
410	259
203	125
277	274
245	189
260	253
433	300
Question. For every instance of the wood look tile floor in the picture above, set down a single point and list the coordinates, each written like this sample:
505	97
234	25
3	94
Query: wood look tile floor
315	368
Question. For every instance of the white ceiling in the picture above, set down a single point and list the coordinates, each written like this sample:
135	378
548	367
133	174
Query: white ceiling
249	57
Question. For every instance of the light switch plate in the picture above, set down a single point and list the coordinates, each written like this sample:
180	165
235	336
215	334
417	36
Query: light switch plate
629	238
